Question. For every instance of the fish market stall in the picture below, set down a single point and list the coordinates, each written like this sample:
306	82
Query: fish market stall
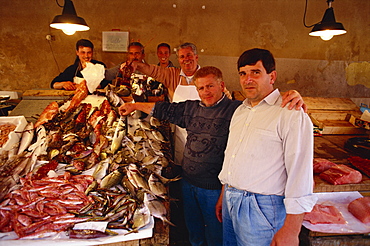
82	175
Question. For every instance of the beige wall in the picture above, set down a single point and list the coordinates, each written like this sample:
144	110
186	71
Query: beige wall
222	30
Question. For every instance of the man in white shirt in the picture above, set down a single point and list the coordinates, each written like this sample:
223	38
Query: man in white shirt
267	173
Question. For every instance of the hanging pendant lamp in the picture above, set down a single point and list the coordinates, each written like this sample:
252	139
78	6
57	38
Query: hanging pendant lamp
328	27
69	22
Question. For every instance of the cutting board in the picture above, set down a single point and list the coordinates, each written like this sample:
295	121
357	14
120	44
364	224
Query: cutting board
46	94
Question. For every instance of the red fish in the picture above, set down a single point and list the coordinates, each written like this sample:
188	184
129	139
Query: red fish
80	94
48	114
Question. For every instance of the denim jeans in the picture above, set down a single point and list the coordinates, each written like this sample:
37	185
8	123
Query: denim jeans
249	218
200	215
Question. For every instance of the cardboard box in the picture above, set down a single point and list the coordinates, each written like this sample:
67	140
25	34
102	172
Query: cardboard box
15	136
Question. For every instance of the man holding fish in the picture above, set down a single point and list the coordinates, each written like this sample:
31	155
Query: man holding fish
207	123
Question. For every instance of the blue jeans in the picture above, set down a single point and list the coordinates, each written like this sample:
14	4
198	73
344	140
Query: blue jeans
249	218
200	215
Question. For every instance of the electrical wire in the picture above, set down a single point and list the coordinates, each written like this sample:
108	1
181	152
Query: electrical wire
304	17
52	52
59	4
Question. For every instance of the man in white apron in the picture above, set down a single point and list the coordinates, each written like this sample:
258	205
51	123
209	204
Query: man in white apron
179	83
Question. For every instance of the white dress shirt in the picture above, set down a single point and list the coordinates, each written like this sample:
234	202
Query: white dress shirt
270	152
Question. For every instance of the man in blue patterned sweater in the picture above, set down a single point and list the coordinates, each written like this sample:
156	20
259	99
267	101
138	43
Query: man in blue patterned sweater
207	124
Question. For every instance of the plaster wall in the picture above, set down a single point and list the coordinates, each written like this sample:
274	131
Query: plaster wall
221	29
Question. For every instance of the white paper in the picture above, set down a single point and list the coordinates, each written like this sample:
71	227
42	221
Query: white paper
93	74
93	225
62	239
340	200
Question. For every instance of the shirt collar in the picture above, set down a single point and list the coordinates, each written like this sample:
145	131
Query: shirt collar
202	104
188	78
270	99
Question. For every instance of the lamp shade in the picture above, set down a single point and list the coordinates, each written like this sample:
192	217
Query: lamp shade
328	27
69	22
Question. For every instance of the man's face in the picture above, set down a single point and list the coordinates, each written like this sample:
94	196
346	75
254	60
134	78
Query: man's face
255	82
84	54
163	54
209	89
188	61
135	54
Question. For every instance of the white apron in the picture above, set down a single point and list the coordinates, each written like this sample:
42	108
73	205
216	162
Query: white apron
182	93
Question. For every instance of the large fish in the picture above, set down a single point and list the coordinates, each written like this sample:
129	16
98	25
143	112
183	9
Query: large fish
48	114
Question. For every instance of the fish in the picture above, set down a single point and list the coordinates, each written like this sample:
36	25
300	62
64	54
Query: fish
113	98
81	93
136	178
148	160
156	208
87	234
47	114
41	234
111	179
157	187
141	217
101	168
144	125
117	138
154	122
157	135
26	137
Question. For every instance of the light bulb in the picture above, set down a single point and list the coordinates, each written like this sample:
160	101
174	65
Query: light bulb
326	37
69	31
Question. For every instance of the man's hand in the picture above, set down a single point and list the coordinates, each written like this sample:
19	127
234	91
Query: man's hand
289	232
126	108
295	100
132	64
66	85
219	206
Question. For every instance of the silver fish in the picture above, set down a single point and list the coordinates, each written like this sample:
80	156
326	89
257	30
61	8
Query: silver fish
144	124
26	138
156	208
141	217
157	187
111	179
157	135
101	169
136	178
149	160
154	122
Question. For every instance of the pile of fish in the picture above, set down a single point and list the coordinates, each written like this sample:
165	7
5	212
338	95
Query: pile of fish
81	162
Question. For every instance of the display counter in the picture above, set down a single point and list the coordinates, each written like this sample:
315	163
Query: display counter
31	107
331	147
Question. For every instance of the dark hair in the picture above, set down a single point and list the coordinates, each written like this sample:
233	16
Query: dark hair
252	56
205	71
164	45
84	43
136	44
187	45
